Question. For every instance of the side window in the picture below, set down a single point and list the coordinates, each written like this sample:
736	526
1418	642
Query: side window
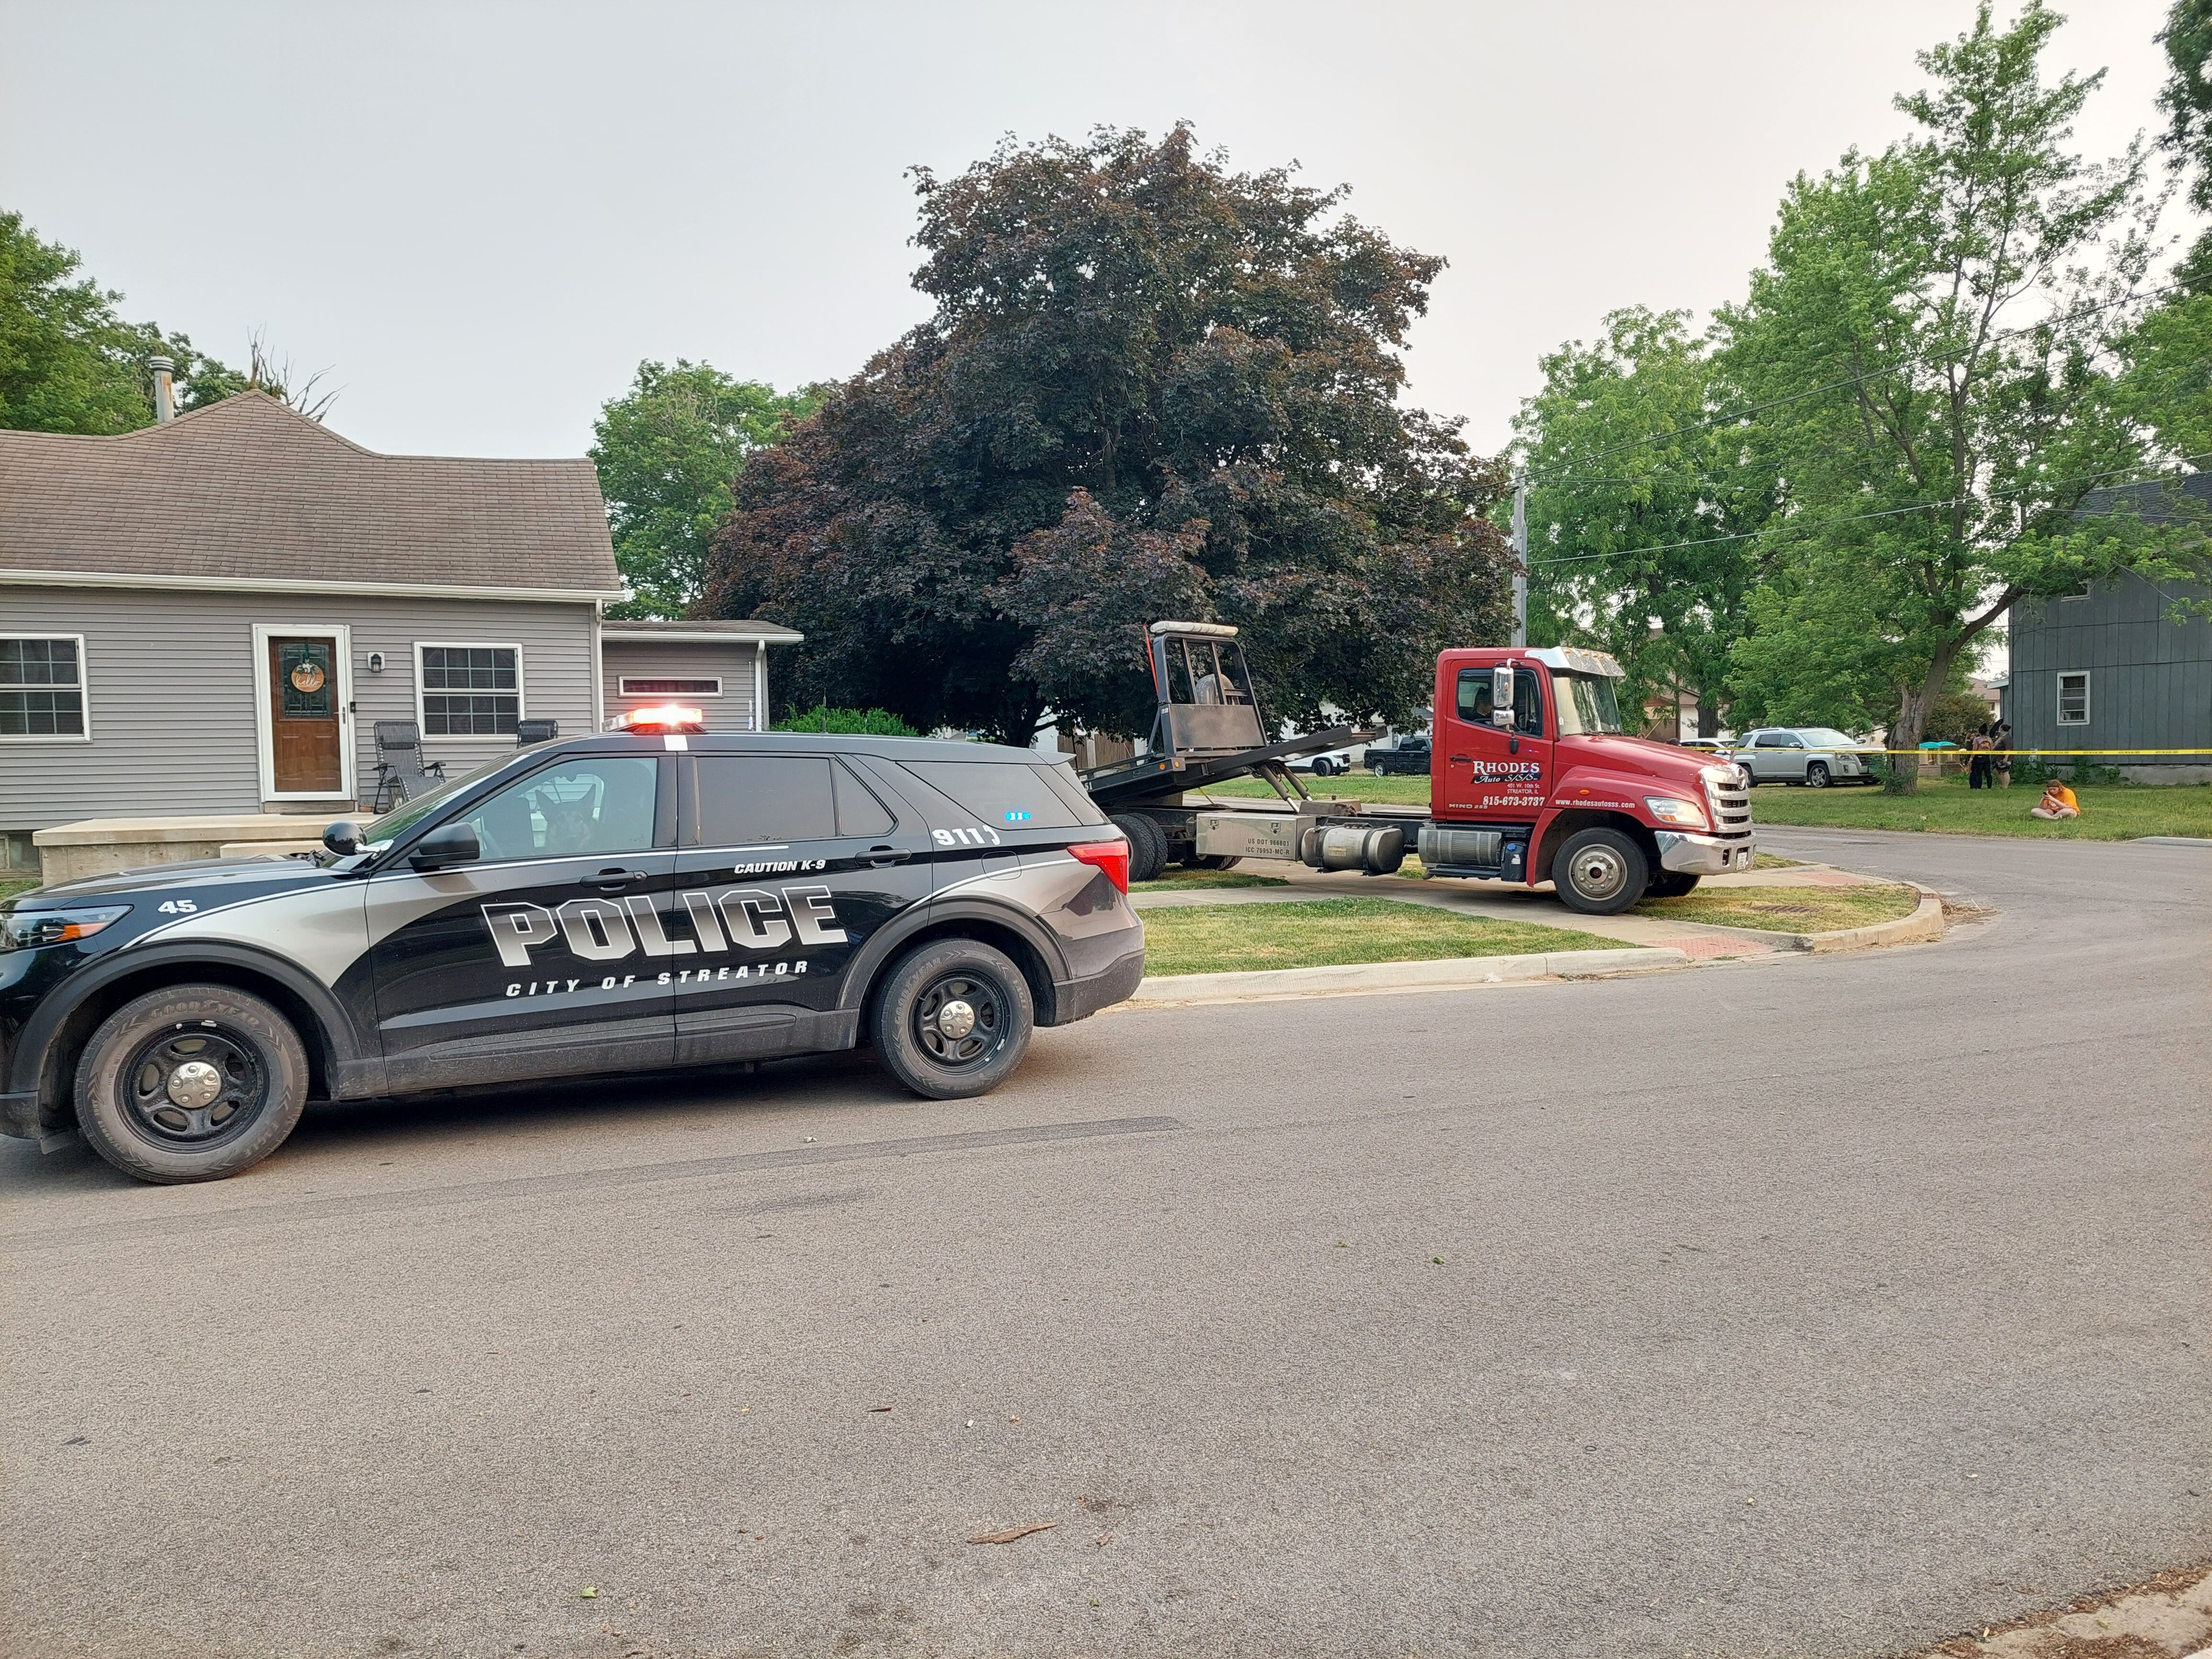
601	803
1004	794
1528	705
1773	740
1474	704
858	811
2074	698
761	800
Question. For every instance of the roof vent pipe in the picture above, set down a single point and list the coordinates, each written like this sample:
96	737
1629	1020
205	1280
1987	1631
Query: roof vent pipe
165	393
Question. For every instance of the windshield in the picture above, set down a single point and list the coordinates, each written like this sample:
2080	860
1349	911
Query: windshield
1824	737
379	832
1587	706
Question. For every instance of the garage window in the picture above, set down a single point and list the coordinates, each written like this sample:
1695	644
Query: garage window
468	691
2074	698
42	686
697	686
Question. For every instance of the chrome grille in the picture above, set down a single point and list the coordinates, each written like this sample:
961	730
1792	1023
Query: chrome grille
1731	809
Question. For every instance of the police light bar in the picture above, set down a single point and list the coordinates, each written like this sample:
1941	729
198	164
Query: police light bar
662	717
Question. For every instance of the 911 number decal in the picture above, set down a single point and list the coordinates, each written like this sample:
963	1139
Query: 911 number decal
970	835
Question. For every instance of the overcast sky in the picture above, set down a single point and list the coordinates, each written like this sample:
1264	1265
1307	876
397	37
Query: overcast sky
480	217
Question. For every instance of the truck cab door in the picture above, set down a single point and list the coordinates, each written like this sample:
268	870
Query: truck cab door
1492	772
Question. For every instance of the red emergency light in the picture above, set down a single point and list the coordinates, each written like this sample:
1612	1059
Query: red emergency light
662	717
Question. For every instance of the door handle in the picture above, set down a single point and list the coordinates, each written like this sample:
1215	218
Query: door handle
881	857
1459	760
616	877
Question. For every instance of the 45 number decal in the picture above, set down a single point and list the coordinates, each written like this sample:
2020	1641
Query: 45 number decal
176	907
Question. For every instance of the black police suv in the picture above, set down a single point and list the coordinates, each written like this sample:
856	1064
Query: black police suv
643	898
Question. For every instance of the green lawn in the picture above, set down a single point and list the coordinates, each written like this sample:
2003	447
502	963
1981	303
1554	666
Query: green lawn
1788	910
1178	881
1356	786
9	887
1218	939
2110	812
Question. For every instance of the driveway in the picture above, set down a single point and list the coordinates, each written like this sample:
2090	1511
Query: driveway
1817	1306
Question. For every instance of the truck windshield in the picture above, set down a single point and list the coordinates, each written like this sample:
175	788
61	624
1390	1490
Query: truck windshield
1587	705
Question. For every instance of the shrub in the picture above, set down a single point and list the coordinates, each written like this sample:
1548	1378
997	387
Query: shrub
851	722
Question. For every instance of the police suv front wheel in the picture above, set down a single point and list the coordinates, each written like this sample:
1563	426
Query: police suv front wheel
954	1020
192	1083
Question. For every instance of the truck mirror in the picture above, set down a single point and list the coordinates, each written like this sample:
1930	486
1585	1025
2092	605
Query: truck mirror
1501	695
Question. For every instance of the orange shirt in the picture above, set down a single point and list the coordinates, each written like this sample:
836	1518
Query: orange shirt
2059	795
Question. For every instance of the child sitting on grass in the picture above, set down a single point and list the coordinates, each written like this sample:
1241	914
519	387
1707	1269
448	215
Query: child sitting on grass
2057	802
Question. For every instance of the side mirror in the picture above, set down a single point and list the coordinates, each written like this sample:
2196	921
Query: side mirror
448	845
1501	695
343	838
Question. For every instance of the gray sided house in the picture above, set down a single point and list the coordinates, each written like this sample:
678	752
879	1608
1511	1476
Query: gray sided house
211	614
2109	669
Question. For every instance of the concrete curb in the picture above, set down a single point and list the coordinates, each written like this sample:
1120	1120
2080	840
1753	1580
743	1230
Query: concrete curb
1165	989
1926	922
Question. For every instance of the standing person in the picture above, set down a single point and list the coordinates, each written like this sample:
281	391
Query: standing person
2001	762
1977	769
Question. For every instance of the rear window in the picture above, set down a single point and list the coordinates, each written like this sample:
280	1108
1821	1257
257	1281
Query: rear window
1009	795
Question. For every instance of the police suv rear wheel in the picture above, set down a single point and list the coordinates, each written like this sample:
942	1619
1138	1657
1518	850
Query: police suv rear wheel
954	1020
192	1083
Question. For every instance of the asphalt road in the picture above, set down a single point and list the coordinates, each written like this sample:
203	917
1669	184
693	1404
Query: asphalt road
1817	1306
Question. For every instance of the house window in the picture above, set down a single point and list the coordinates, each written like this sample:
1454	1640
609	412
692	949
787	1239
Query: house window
42	687
468	691
710	686
2074	699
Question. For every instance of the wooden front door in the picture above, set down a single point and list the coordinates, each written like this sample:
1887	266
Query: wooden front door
303	714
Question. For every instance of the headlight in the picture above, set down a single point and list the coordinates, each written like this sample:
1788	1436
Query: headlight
26	930
1668	809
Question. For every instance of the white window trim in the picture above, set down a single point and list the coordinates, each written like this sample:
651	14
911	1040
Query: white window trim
2058	698
83	690
521	699
264	748
623	685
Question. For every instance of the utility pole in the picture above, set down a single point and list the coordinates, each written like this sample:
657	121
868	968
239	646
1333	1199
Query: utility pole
1521	558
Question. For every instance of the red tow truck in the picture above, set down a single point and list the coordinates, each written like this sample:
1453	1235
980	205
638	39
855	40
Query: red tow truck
1533	780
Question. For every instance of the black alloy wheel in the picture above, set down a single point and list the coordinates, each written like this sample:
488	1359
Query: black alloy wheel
195	1086
953	1018
960	1018
190	1083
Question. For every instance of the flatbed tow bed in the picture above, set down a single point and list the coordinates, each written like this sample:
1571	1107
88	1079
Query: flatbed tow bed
1534	779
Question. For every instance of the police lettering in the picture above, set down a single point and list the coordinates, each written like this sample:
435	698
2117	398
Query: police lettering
607	930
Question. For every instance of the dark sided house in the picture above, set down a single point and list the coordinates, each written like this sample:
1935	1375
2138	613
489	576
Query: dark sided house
210	615
2109	669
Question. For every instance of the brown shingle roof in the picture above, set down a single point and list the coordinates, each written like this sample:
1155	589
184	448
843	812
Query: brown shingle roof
247	491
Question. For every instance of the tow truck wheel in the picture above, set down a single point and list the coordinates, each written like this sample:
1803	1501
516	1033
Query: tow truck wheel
953	1020
1148	848
192	1083
1671	883
1600	872
1216	862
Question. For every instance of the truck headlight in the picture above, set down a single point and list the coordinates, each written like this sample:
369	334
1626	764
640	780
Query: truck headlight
1670	809
26	930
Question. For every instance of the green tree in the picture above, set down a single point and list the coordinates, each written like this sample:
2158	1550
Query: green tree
669	452
1640	508
2187	98
68	361
1153	387
1931	338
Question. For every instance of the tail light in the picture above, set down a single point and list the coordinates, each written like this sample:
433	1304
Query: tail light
1111	856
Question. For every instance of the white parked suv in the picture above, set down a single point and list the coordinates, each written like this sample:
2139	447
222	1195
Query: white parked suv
1816	756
